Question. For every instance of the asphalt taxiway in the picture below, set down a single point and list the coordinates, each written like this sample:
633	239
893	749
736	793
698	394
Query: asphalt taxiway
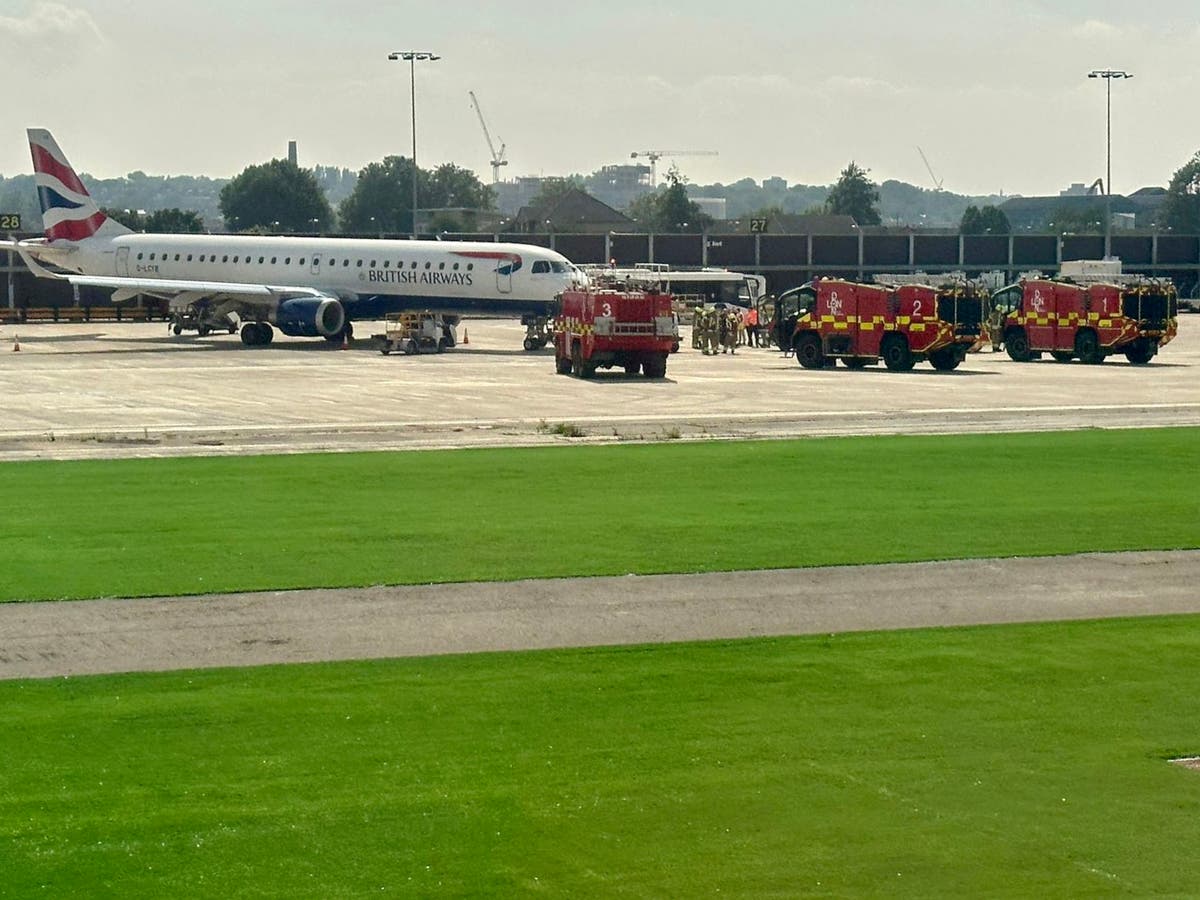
108	389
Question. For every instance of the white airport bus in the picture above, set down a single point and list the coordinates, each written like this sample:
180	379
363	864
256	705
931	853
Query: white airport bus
689	286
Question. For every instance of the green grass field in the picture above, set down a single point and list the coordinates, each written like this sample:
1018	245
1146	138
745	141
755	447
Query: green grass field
146	527
1018	761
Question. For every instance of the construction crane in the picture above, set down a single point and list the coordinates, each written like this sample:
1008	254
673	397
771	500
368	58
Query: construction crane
937	182
655	155
498	159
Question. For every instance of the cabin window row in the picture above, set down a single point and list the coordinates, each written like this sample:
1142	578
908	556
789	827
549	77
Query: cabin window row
287	261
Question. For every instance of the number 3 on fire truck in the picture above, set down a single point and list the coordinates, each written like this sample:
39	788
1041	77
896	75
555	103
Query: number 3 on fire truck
607	310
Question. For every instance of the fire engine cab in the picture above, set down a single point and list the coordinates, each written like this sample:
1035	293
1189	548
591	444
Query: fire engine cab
599	327
1134	316
900	323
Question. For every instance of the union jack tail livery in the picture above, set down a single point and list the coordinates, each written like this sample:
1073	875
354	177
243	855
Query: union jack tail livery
68	211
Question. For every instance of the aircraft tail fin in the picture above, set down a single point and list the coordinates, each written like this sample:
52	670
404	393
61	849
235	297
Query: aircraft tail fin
68	211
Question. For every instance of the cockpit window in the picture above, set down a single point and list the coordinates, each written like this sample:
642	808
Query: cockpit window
560	268
541	267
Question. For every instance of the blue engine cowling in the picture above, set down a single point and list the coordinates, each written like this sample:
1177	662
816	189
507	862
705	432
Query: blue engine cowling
310	317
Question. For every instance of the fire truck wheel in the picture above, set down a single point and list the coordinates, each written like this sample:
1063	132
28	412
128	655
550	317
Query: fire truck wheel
1016	344
633	368
1087	348
1062	355
655	367
896	355
855	362
562	365
809	353
1140	352
945	360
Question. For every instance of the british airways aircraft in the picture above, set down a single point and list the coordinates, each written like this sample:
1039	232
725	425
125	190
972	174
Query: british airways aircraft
305	287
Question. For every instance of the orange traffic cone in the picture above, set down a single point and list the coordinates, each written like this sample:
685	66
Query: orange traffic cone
16	345
466	337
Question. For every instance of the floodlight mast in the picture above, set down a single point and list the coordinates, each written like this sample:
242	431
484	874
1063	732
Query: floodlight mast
1108	75
411	57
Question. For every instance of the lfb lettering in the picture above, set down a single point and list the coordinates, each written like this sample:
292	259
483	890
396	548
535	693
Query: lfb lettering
1039	304
835	304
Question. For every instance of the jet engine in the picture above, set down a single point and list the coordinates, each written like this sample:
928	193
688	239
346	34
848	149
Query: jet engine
310	317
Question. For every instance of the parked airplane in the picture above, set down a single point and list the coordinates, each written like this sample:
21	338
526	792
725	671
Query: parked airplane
305	287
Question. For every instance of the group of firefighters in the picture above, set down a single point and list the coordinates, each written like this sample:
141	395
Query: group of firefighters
722	329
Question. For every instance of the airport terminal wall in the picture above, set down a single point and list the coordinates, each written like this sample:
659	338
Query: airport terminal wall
787	260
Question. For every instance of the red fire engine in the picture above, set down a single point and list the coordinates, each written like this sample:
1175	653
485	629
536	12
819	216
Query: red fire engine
1090	322
604	327
898	323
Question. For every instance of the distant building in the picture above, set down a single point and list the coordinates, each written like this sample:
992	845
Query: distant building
1039	213
293	154
573	211
512	195
1077	189
620	185
1148	201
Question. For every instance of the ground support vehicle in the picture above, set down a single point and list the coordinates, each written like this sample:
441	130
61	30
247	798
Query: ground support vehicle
901	324
1135	316
599	328
537	331
187	320
413	333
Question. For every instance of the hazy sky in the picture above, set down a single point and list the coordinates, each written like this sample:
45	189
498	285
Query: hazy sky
995	93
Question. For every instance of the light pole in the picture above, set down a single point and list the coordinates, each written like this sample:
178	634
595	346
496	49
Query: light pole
1108	75
411	57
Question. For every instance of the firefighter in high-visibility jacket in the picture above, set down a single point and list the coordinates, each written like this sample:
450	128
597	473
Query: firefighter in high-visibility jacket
714	331
730	320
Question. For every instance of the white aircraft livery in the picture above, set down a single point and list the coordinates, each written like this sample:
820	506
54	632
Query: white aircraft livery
305	287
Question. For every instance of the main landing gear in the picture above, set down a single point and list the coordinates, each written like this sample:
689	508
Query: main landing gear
257	334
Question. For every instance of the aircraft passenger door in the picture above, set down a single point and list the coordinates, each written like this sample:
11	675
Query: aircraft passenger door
315	269
123	261
504	275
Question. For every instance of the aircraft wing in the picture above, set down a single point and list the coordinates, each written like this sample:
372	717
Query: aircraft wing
171	286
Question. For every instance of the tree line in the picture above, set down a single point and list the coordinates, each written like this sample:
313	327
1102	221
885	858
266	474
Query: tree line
279	196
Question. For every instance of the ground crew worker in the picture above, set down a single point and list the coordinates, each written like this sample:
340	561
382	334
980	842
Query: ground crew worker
698	328
714	330
752	326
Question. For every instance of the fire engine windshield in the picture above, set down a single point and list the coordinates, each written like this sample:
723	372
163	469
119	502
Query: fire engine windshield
1008	299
